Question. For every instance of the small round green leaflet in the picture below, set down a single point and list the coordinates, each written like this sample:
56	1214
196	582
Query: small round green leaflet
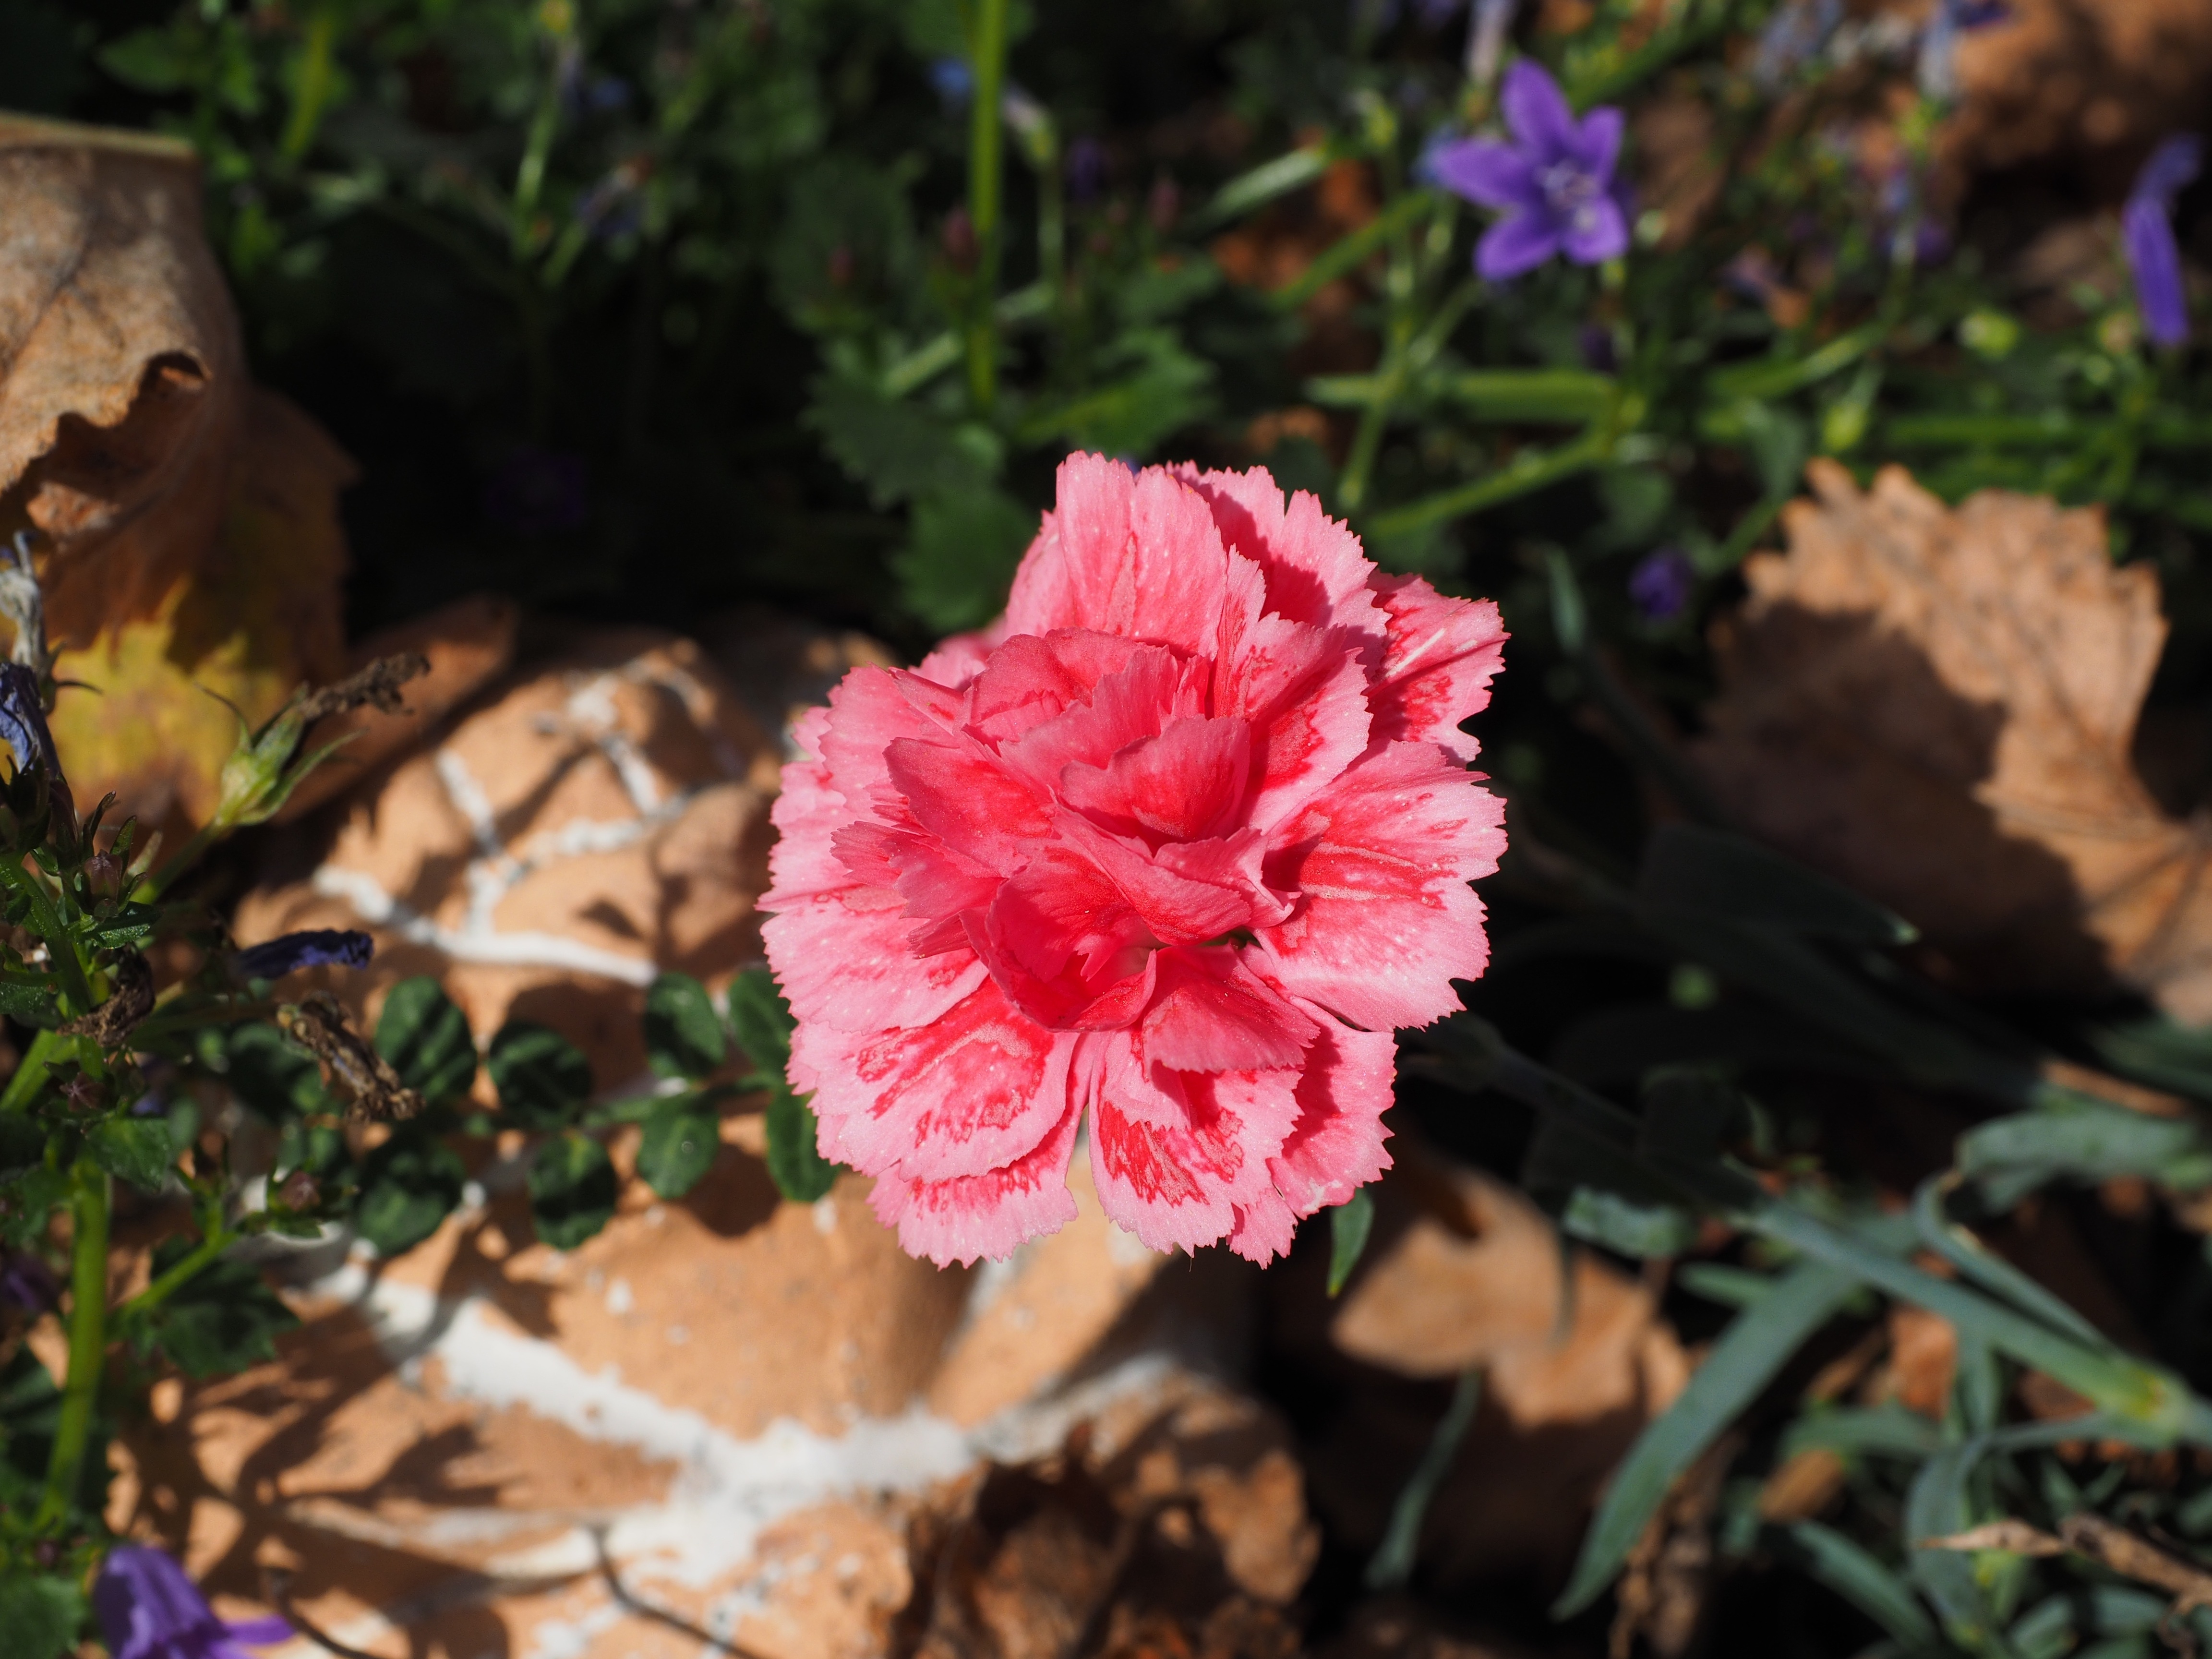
427	1040
407	1186
572	1189
544	1080
679	1140
684	1037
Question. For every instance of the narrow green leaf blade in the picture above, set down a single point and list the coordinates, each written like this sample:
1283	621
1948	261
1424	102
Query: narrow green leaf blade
1349	1225
1854	1575
1742	1363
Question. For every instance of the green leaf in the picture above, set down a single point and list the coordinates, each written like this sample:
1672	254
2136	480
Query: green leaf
26	1200
2083	1141
407	1186
30	1410
1349	1225
1688	867
42	1614
762	1019
795	1164
898	449
138	1150
22	1143
543	1082
222	1319
961	547
427	1040
1872	1587
1129	415
684	1037
678	1145
149	60
33	1004
271	1075
1616	1222
1752	1349
572	1189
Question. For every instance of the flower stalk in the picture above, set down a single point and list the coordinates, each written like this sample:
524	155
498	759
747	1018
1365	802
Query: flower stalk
87	1333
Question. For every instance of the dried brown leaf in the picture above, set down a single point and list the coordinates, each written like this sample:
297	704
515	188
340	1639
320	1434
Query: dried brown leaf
1937	705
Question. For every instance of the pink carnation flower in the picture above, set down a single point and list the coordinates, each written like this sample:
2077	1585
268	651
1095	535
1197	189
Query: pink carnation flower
1177	845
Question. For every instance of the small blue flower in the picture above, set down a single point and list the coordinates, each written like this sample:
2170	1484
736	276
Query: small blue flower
2147	225
1554	181
149	1610
1661	583
1087	165
26	1282
322	947
953	78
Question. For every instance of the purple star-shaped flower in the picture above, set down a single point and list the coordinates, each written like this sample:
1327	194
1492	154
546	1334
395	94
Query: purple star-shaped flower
1661	583
149	1610
1553	181
2147	225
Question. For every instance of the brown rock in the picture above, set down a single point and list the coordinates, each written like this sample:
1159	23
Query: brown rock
602	819
468	644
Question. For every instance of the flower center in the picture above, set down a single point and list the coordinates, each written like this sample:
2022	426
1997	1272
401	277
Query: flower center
1569	190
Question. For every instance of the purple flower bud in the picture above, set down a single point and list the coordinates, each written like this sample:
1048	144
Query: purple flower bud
149	1610
321	947
27	1283
1553	181
2147	227
1661	583
1086	169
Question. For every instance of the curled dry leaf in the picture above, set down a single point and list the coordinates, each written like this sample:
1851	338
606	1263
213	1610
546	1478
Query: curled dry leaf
1937	706
189	533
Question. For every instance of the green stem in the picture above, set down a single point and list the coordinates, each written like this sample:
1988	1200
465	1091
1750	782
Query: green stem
530	175
61	944
31	1073
313	91
986	180
87	1350
217	1240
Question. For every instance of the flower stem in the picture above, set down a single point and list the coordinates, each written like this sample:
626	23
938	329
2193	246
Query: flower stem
986	180
30	1072
87	1349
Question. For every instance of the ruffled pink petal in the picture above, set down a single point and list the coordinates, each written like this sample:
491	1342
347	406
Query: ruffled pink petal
1177	1186
1315	573
1065	947
1138	701
958	660
1183	785
1336	1146
1305	692
807	812
977	1087
1264	1230
970	800
872	708
1442	656
990	1214
1383	857
1134	555
1032	678
1211	1013
1187	892
850	967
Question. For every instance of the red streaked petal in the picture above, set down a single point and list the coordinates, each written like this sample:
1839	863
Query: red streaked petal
1183	785
1442	656
976	1088
1382	858
851	967
1211	1013
971	802
1176	1187
990	1214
